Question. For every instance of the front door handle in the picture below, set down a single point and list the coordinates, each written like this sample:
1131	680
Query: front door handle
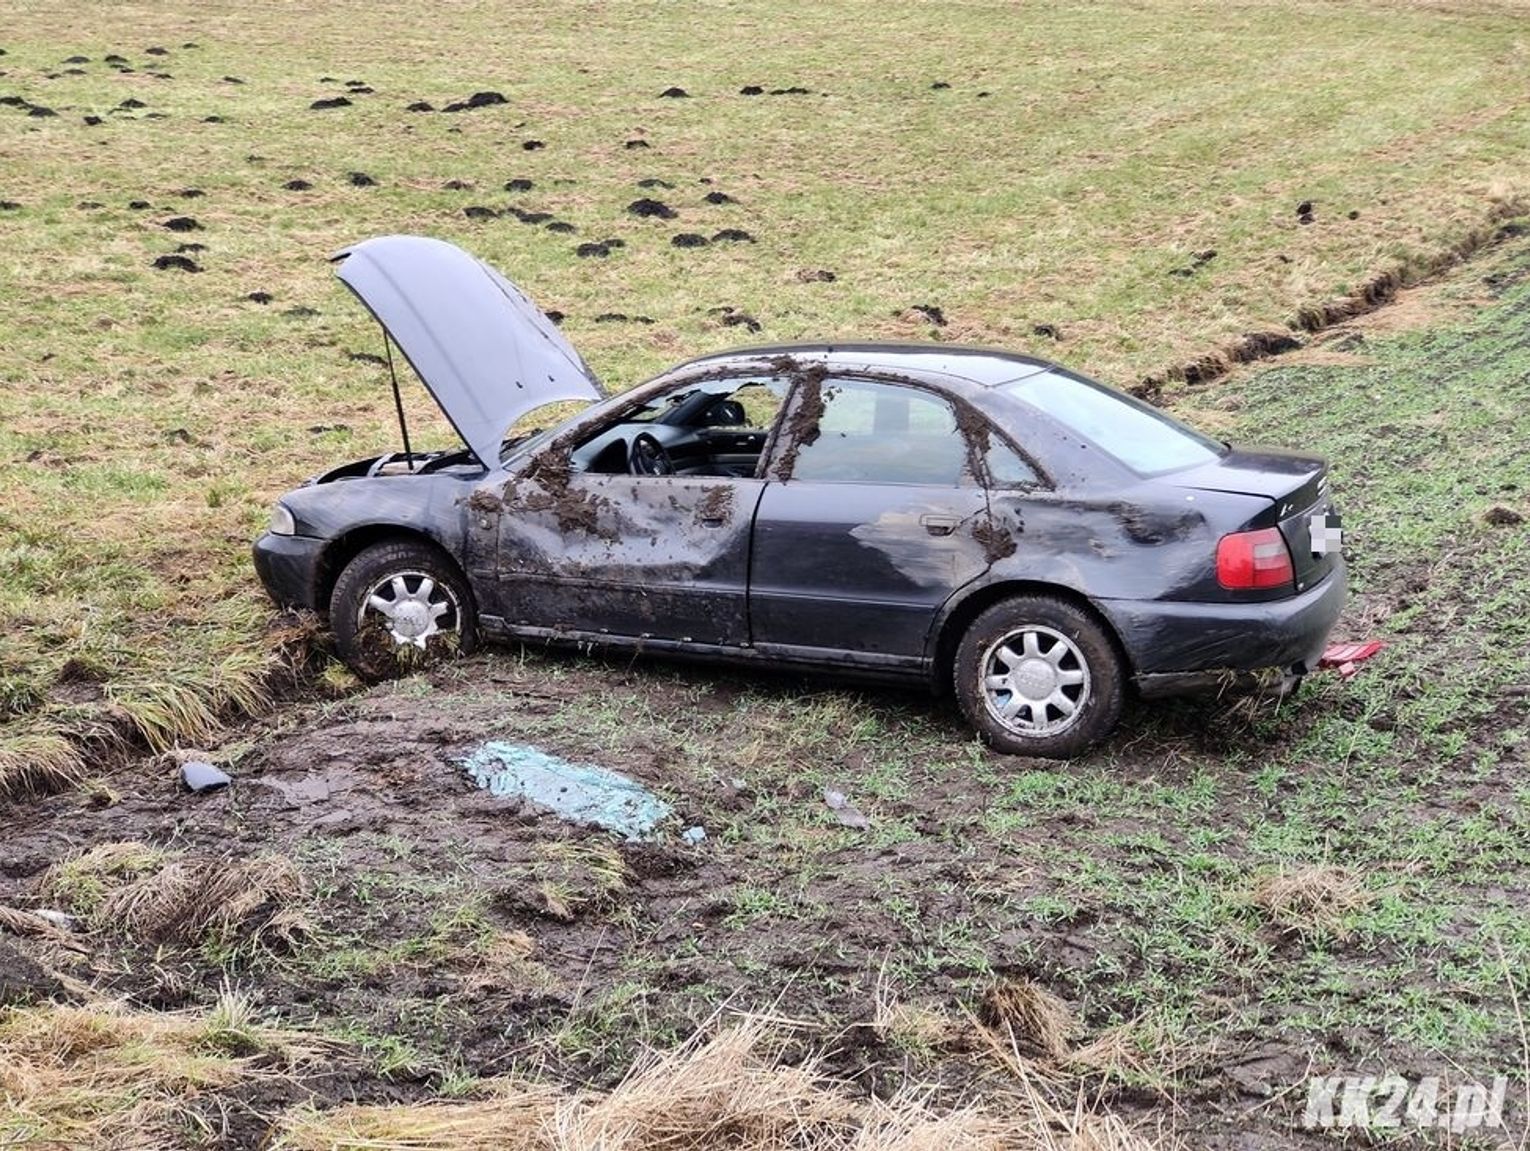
938	525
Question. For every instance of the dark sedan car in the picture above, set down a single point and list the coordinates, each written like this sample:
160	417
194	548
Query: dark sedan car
979	521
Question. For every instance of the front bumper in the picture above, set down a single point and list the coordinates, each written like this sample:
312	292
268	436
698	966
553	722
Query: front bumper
1190	646
289	567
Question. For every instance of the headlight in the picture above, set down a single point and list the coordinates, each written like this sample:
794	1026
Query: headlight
282	523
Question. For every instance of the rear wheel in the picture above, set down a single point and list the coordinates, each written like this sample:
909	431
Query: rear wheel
1039	676
398	606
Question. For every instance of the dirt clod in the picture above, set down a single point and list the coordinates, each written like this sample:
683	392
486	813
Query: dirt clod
1047	331
420	106
361	180
688	240
479	212
259	297
652	209
674	93
719	198
176	263
732	236
182	224
1502	517
751	90
332	102
298	186
816	276
518	185
634	145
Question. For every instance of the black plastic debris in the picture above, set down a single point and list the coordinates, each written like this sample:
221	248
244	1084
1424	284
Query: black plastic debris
198	776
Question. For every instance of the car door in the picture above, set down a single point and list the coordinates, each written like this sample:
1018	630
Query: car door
585	548
877	521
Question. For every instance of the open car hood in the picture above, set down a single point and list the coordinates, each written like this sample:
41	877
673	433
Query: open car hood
485	351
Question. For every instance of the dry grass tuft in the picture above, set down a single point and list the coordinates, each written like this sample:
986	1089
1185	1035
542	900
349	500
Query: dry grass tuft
163	897
38	763
719	1090
1032	1019
189	900
1311	899
105	1076
574	877
82	883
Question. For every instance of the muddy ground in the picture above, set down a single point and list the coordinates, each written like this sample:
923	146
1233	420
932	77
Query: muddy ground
445	935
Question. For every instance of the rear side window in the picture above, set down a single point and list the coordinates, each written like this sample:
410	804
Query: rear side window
883	433
1006	468
1141	437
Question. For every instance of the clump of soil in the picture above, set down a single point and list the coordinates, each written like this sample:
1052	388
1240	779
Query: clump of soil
191	247
654	182
532	146
182	224
997	543
176	263
1047	331
527	217
131	104
332	102
476	100
1502	517
139	205
191	193
733	319
361	180
232	80
688	240
802	428
1304	212
816	276
930	312
719	198
792	91
259	297
633	145
518	185
457	186
652	209
479	212
562	227
674	93
9	206
298	186
596	248
92	121
939	86
751	90
733	236
38	111
420	106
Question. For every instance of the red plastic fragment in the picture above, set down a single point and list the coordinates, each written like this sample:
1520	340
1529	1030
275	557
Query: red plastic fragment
1347	657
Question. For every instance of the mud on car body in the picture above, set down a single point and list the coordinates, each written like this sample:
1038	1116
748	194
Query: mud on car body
986	523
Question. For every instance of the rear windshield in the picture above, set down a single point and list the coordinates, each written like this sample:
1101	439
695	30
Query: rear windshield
1140	436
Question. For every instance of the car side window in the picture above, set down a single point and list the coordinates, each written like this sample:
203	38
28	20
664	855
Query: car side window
1007	468
872	432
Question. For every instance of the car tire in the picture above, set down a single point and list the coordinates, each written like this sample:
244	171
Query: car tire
427	623
1036	675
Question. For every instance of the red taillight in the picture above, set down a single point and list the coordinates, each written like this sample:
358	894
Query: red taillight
1254	560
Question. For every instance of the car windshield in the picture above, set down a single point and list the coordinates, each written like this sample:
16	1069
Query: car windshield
1141	437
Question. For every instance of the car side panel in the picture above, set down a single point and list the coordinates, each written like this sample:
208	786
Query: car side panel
861	567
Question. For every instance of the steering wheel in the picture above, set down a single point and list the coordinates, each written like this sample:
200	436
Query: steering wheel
647	457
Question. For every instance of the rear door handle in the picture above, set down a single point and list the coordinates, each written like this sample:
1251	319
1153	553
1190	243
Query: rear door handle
938	525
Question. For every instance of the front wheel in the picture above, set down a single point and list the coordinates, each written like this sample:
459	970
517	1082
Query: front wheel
1039	676
399	605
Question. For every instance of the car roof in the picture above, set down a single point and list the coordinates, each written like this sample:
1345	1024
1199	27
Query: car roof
986	367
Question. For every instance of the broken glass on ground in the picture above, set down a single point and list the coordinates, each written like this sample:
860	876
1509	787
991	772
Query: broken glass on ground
579	792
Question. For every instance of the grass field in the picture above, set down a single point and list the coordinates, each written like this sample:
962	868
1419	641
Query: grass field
1225	899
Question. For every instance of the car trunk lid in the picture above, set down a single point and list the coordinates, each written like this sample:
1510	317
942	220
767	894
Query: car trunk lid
1296	486
486	353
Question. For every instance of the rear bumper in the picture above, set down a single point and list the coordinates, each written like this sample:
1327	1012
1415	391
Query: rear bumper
288	566
1197	646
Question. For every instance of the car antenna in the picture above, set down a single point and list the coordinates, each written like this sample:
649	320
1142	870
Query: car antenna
398	400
